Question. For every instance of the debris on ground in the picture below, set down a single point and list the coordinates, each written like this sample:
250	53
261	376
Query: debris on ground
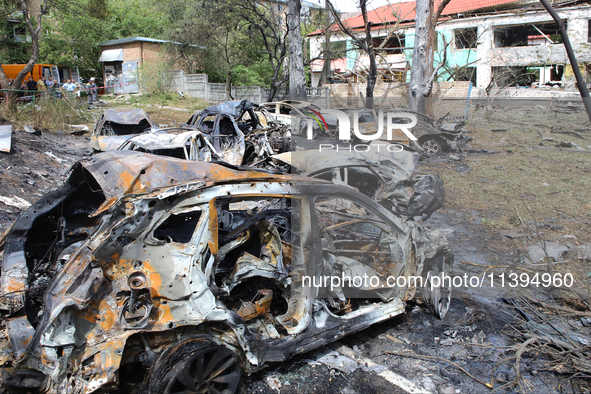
5	138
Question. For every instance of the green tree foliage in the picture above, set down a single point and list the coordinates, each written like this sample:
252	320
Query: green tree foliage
74	32
14	47
216	40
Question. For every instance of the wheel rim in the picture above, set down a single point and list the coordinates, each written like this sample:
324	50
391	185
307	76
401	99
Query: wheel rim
439	298
431	147
213	370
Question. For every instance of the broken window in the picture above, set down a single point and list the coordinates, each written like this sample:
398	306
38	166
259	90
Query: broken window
285	110
392	45
207	123
225	134
178	153
361	178
178	228
529	34
338	49
352	231
356	242
513	76
249	227
466	38
113	128
465	74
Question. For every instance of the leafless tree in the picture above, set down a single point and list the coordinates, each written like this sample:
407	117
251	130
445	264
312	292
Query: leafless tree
297	76
365	44
272	27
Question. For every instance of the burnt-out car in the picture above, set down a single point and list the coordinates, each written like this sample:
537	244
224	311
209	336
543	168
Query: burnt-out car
157	275
183	143
385	176
223	121
240	125
116	125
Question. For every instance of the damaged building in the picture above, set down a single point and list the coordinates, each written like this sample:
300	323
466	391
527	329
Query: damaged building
493	43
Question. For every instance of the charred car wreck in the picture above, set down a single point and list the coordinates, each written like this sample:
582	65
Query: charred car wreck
226	122
116	125
386	178
160	275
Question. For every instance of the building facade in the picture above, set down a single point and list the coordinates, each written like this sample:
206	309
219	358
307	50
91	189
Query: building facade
121	59
493	43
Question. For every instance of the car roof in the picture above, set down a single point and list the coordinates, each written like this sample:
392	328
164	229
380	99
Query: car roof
130	116
124	172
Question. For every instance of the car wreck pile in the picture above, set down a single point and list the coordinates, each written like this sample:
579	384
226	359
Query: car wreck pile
179	260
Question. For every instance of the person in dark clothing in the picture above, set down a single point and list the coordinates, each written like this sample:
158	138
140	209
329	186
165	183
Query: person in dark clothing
31	84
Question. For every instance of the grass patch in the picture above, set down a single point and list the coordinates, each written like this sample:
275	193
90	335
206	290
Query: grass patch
48	115
153	104
521	183
167	99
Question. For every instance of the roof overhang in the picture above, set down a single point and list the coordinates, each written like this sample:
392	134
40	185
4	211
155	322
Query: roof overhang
111	55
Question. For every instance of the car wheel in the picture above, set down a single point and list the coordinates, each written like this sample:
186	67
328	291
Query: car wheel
438	292
431	147
196	365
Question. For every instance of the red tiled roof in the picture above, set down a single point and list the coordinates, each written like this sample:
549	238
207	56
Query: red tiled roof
338	65
406	11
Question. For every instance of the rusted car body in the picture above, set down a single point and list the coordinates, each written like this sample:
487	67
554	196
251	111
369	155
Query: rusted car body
116	125
187	144
384	176
142	269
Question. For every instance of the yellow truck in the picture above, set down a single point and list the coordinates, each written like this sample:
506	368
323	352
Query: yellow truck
60	74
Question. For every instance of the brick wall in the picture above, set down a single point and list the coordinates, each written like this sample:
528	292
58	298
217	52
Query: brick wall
138	51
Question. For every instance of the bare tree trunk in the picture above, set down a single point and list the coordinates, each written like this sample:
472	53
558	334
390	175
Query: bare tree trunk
422	74
297	76
371	79
272	92
422	59
373	67
229	85
327	56
365	45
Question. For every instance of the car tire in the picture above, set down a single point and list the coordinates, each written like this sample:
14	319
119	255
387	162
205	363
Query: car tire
195	365
438	295
431	146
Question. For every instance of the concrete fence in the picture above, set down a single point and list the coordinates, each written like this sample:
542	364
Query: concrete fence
197	85
449	99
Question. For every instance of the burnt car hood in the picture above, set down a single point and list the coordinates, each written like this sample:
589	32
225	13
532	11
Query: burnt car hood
109	142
